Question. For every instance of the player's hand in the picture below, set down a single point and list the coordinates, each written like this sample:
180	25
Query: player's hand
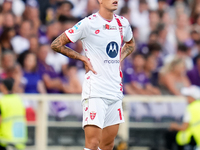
88	65
173	126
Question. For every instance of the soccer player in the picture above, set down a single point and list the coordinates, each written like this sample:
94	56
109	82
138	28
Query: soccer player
102	35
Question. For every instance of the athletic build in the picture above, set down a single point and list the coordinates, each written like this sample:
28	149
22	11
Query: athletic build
101	34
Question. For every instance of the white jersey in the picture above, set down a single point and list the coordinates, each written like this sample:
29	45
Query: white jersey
101	40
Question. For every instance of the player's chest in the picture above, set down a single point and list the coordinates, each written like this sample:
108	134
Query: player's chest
105	33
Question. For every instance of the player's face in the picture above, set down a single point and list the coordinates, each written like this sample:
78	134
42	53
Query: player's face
111	5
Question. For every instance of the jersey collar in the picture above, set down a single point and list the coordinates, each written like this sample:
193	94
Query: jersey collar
104	18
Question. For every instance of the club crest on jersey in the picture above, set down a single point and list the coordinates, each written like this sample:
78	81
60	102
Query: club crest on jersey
112	49
108	27
92	115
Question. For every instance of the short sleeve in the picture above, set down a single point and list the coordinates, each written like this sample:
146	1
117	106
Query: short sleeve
128	34
78	31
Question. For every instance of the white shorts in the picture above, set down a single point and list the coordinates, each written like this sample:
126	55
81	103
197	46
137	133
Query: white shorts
97	112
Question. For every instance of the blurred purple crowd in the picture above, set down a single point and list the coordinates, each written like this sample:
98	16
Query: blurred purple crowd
166	32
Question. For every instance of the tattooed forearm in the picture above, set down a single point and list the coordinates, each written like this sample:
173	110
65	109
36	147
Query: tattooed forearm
127	49
58	45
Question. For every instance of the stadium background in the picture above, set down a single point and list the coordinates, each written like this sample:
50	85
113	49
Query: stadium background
167	59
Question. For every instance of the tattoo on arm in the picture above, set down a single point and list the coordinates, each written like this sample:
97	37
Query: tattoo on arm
127	49
58	45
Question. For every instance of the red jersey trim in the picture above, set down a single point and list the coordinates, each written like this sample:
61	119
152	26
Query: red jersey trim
121	35
109	20
68	38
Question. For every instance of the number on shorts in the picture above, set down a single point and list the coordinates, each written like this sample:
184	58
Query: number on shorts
120	114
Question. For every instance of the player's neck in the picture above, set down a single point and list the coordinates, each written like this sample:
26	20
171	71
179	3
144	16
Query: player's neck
106	14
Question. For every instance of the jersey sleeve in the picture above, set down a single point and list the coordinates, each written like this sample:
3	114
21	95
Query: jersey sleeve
128	34
78	31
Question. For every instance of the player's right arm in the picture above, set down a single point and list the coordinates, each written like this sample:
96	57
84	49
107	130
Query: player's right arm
58	45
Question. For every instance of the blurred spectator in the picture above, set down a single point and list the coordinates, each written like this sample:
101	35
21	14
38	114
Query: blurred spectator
162	5
173	77
7	6
1	22
195	11
182	28
51	79
142	16
136	38
34	44
79	64
18	8
8	20
73	85
53	30
32	14
92	7
153	37
11	69
155	51
50	15
54	83
61	61
135	80
186	133
125	12
24	34
32	79
64	8
194	74
153	20
67	23
145	48
79	8
178	8
190	44
166	40
195	35
150	70
196	50
6	36
182	52
12	117
43	6
166	19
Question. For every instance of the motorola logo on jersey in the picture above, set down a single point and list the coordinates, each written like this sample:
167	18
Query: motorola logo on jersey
112	49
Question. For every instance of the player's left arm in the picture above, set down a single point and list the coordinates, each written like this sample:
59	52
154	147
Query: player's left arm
127	49
179	127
